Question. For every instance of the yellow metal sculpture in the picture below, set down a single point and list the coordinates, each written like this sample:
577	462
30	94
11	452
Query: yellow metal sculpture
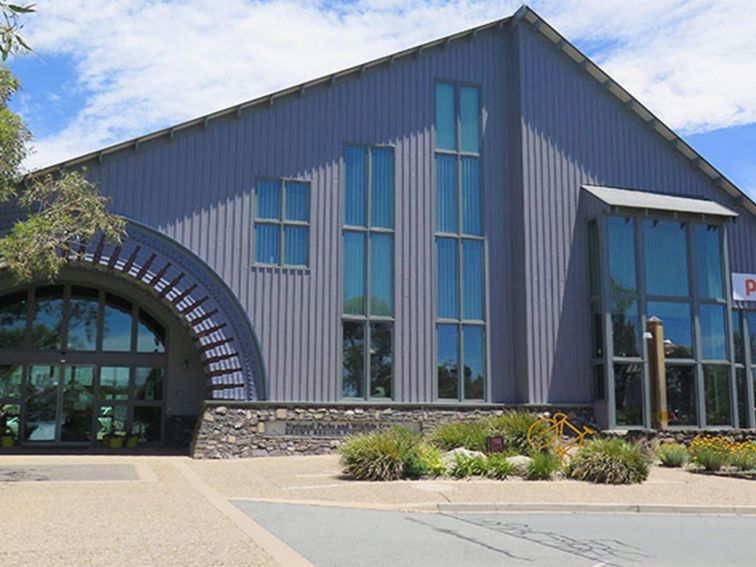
556	433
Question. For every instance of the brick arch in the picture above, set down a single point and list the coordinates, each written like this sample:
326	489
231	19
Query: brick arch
176	276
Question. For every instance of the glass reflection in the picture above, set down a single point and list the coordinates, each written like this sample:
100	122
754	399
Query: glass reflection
742	388
78	396
354	273
83	313
625	327
628	394
150	334
708	261
111	420
117	320
48	317
147	423
475	363
13	319
381	359
10	419
381	274
10	381
148	383
713	336
717	393
114	383
681	395
678	333
353	359
448	361
621	240
666	251
41	404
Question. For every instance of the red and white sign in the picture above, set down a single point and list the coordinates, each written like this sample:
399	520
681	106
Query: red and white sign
744	287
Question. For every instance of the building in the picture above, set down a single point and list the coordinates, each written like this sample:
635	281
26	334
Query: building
484	219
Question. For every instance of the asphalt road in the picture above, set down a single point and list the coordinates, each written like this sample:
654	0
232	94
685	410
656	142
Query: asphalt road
336	537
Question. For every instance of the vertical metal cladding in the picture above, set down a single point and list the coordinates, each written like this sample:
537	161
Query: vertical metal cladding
198	188
574	132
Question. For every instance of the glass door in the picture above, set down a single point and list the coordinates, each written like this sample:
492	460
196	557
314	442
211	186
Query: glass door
77	397
41	422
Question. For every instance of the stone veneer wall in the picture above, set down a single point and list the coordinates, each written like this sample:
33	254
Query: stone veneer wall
684	436
228	430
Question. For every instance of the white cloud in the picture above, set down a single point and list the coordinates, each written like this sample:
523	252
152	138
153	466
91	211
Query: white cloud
147	64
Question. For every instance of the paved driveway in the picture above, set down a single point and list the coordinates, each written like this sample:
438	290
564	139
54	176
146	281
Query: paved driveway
345	537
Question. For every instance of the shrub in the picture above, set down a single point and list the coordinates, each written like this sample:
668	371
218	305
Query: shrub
743	456
470	435
424	461
609	461
513	427
465	466
673	455
499	467
542	466
384	455
711	453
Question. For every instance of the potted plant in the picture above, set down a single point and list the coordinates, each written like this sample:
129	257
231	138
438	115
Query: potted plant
132	440
114	440
7	438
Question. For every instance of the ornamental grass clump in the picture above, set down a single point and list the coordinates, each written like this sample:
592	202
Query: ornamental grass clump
469	434
465	466
743	456
387	455
710	453
673	455
499	467
609	461
542	466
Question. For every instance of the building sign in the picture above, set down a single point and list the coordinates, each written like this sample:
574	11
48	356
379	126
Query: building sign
330	428
744	287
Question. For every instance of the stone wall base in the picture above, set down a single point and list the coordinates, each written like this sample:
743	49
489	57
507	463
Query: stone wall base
227	430
684	436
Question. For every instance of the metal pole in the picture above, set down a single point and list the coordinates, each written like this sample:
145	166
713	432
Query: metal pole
659	414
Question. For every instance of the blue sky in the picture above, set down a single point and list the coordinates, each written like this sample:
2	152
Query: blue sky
107	70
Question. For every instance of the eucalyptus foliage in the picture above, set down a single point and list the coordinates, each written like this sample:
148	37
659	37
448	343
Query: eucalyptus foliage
56	211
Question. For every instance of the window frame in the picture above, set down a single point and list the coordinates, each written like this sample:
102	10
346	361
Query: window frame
366	318
281	223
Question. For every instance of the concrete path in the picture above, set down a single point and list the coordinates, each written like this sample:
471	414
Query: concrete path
317	480
338	537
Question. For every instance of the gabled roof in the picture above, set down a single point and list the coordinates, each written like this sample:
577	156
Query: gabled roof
634	199
525	15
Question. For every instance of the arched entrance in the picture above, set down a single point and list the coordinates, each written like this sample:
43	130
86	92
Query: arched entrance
129	339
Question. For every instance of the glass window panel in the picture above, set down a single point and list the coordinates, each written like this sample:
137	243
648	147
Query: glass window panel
625	327
10	419
13	319
597	327
111	420
355	198
296	245
474	362
267	243
666	263
678	335
297	201
48	317
621	244
445	116
10	381
708	261
114	383
599	387
116	331
150	334
713	335
446	193
448	362
381	274
354	273
471	196
353	359
77	406
447	278
750	319
681	395
148	421
628	394
472	279
738	337
382	187
741	385
469	110
717	391
83	313
41	404
381	359
268	199
148	383
593	258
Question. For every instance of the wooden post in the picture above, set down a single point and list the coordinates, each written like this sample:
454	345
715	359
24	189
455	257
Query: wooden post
657	374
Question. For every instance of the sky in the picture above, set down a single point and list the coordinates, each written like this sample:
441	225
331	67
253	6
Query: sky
104	71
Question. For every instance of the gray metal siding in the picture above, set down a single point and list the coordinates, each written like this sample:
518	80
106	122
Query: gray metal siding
198	189
573	132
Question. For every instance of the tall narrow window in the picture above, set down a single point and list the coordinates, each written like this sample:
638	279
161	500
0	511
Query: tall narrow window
367	355
282	222
460	257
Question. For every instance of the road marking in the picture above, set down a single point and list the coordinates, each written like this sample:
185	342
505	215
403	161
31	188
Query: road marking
276	548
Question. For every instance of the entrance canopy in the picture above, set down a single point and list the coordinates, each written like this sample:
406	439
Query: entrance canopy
634	199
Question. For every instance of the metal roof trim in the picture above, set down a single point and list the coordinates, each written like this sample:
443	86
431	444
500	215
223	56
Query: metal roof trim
639	199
